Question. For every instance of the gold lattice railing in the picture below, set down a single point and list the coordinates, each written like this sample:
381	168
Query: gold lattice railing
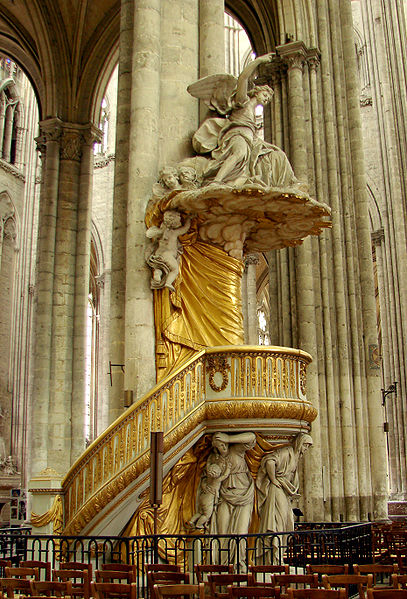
257	384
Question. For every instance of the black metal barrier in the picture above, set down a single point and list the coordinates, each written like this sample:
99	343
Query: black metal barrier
333	544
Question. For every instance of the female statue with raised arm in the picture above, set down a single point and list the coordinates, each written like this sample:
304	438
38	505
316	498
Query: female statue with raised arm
238	155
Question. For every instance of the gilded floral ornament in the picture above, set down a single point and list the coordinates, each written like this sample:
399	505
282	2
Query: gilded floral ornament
218	364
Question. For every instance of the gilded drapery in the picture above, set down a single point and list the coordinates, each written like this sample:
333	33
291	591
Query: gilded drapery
205	309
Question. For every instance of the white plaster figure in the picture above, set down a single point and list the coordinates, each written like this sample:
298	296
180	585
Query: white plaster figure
209	493
187	177
167	181
164	259
238	155
8	467
277	483
236	493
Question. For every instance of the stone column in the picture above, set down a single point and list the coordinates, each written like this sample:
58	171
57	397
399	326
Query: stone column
143	166
294	54
87	137
48	143
378	457
251	261
211	40
119	217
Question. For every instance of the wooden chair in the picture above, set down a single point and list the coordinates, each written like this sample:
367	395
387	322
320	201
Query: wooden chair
4	563
348	580
28	573
265	572
386	594
126	576
316	593
77	566
321	569
399	581
252	592
51	588
378	571
195	591
79	578
113	590
166	577
202	570
42	566
217	581
284	581
11	586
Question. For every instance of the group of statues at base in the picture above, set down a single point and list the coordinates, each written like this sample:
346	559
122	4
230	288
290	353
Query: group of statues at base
226	493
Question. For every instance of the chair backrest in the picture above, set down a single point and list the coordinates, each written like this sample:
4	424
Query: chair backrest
204	569
180	590
114	575
290	580
161	568
327	568
81	588
9	586
77	566
377	570
117	567
236	592
51	588
386	594
4	563
167	577
41	565
316	593
28	573
216	581
346	580
112	590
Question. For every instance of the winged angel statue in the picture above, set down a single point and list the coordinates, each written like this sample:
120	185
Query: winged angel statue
238	155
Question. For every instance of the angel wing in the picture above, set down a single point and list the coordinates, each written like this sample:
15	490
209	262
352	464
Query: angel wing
216	91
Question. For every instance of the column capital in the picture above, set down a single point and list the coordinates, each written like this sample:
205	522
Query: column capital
294	54
377	237
70	136
313	58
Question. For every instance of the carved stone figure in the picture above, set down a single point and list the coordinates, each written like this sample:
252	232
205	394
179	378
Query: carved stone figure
277	483
238	156
236	494
8	467
164	260
209	493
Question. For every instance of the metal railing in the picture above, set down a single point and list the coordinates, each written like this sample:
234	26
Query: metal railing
335	545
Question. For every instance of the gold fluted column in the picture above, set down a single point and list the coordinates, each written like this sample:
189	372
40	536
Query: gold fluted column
377	436
294	54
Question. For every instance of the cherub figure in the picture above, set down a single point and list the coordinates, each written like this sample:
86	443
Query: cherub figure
164	260
209	494
187	177
167	181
